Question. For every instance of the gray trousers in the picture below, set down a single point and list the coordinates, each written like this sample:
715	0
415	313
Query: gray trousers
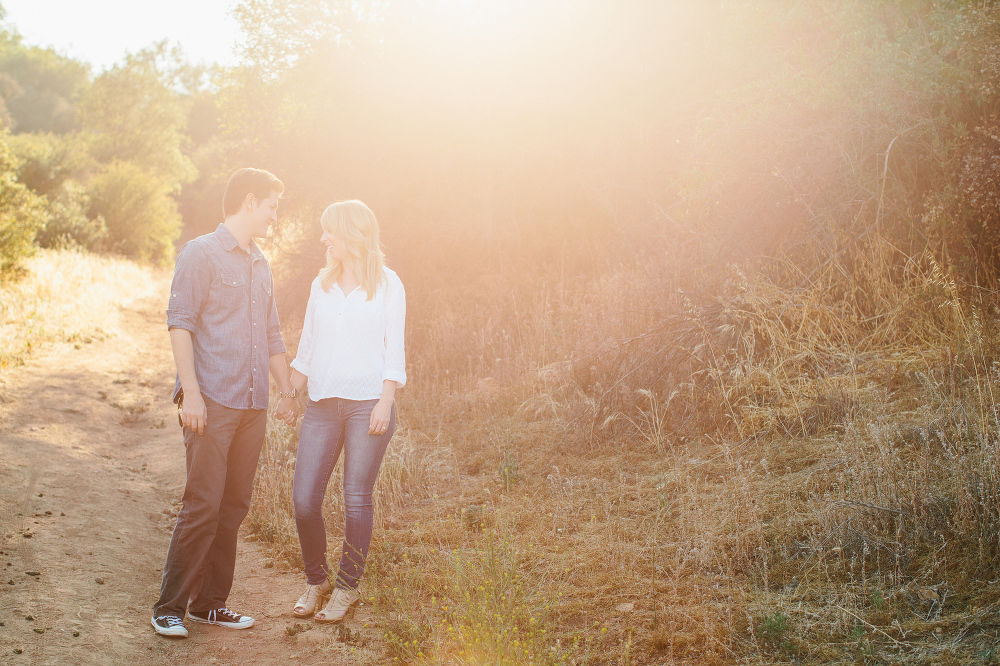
221	464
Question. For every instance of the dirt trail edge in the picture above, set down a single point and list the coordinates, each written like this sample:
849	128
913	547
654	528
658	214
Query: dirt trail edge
91	475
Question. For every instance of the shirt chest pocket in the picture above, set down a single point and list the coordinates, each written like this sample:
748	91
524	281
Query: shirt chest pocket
232	289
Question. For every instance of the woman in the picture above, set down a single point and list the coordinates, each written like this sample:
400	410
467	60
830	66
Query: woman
351	355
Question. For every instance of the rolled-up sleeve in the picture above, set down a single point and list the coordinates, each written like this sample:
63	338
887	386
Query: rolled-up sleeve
190	287
395	353
303	354
275	343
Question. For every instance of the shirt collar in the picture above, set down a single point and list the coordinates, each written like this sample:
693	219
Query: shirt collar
229	241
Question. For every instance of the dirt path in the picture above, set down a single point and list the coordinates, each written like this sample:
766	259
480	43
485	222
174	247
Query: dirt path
91	475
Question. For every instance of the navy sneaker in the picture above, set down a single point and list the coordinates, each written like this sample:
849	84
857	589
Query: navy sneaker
169	625
222	617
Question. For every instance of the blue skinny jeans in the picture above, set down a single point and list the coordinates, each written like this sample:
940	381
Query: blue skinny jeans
329	426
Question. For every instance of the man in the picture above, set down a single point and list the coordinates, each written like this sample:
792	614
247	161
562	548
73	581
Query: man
225	337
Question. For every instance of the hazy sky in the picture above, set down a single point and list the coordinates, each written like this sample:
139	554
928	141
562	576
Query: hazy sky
102	31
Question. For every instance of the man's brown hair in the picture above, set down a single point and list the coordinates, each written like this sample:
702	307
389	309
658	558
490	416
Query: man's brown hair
246	181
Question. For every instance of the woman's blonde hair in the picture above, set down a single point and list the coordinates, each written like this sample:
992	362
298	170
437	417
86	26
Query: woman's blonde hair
355	224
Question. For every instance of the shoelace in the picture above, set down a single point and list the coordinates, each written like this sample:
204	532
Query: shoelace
227	616
172	620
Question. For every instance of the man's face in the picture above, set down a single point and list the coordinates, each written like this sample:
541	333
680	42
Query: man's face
264	213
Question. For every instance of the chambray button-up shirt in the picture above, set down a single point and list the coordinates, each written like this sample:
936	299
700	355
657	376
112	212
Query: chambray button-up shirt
224	295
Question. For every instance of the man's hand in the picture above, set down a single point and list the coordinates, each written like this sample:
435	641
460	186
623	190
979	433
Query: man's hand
194	414
287	410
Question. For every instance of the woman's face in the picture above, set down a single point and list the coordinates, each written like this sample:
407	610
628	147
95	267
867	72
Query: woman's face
334	246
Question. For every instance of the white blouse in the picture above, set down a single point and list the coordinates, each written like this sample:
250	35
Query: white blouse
350	345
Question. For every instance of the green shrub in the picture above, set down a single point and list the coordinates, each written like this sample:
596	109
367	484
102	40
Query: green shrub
22	214
135	206
53	166
46	161
67	223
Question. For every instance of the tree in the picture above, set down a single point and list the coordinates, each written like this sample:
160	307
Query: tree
132	115
135	119
281	32
38	86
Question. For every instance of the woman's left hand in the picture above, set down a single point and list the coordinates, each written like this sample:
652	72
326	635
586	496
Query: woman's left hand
379	421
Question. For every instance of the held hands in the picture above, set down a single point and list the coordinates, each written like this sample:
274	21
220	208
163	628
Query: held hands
287	410
379	421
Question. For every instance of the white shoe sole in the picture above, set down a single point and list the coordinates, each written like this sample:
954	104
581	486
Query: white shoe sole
178	630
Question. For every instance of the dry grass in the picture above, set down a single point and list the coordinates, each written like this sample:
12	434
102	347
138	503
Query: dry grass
67	296
780	474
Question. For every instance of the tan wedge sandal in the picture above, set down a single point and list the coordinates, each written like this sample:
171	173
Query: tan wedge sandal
340	603
311	599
